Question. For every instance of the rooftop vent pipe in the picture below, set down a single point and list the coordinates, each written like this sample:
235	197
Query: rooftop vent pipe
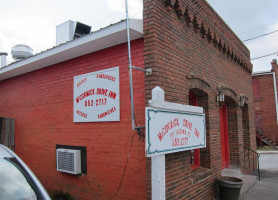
21	51
70	30
3	57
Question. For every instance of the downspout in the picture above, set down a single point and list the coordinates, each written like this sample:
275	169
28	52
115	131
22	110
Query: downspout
275	93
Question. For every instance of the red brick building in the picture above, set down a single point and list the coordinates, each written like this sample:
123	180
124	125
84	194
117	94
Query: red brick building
195	58
265	104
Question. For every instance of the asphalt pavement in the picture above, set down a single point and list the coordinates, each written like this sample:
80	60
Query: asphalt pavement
267	187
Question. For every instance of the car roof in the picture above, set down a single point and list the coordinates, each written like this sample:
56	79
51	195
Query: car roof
4	152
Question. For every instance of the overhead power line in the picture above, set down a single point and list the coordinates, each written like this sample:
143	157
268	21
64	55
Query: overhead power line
264	56
260	36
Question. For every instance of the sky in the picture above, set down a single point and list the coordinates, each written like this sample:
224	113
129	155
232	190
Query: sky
249	19
33	22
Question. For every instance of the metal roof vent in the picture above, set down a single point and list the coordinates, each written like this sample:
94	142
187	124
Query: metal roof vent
3	56
21	51
70	30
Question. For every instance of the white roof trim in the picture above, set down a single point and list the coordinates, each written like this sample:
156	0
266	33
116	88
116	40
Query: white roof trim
261	73
107	37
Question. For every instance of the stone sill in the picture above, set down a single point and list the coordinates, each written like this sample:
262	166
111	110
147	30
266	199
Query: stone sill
200	174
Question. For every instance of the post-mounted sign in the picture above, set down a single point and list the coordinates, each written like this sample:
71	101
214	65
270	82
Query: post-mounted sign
173	131
97	96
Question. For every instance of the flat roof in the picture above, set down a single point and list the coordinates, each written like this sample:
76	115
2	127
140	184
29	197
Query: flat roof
259	73
112	35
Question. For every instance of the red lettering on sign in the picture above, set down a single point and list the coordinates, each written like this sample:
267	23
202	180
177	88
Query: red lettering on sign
106	76
112	95
173	123
187	124
81	82
189	133
172	134
184	141
196	132
97	102
81	113
108	112
85	94
178	142
102	91
180	132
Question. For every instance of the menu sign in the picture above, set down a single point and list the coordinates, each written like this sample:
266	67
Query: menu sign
97	96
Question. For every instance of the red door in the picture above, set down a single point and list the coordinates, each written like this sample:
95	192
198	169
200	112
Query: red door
193	100
224	137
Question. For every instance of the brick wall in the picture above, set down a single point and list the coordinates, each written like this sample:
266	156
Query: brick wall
41	103
188	48
264	103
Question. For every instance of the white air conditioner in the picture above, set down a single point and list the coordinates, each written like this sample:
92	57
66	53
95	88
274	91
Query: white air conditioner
68	161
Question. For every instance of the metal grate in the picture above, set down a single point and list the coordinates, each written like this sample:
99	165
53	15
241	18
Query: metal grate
65	161
68	161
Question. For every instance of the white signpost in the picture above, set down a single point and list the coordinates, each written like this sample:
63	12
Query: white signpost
97	96
170	127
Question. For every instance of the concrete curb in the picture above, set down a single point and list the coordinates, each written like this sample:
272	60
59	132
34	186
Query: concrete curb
267	152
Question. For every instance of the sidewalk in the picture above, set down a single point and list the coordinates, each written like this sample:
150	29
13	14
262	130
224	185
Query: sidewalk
267	188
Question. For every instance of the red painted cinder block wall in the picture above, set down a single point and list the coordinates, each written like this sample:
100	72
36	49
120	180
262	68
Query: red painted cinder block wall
41	103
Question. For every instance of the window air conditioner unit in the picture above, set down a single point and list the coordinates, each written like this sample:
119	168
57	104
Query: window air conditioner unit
68	161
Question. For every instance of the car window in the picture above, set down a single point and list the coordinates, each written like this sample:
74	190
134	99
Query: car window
15	182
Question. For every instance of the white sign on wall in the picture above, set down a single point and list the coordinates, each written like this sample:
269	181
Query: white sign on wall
172	131
97	96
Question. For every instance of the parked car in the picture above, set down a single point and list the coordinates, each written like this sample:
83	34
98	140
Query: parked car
17	180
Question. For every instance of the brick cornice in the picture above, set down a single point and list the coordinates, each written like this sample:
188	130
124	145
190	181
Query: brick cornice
201	26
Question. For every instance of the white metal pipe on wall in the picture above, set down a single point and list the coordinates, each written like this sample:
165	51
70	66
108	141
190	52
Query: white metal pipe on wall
130	67
275	93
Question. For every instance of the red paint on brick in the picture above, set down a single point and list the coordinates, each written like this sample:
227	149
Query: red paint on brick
41	102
